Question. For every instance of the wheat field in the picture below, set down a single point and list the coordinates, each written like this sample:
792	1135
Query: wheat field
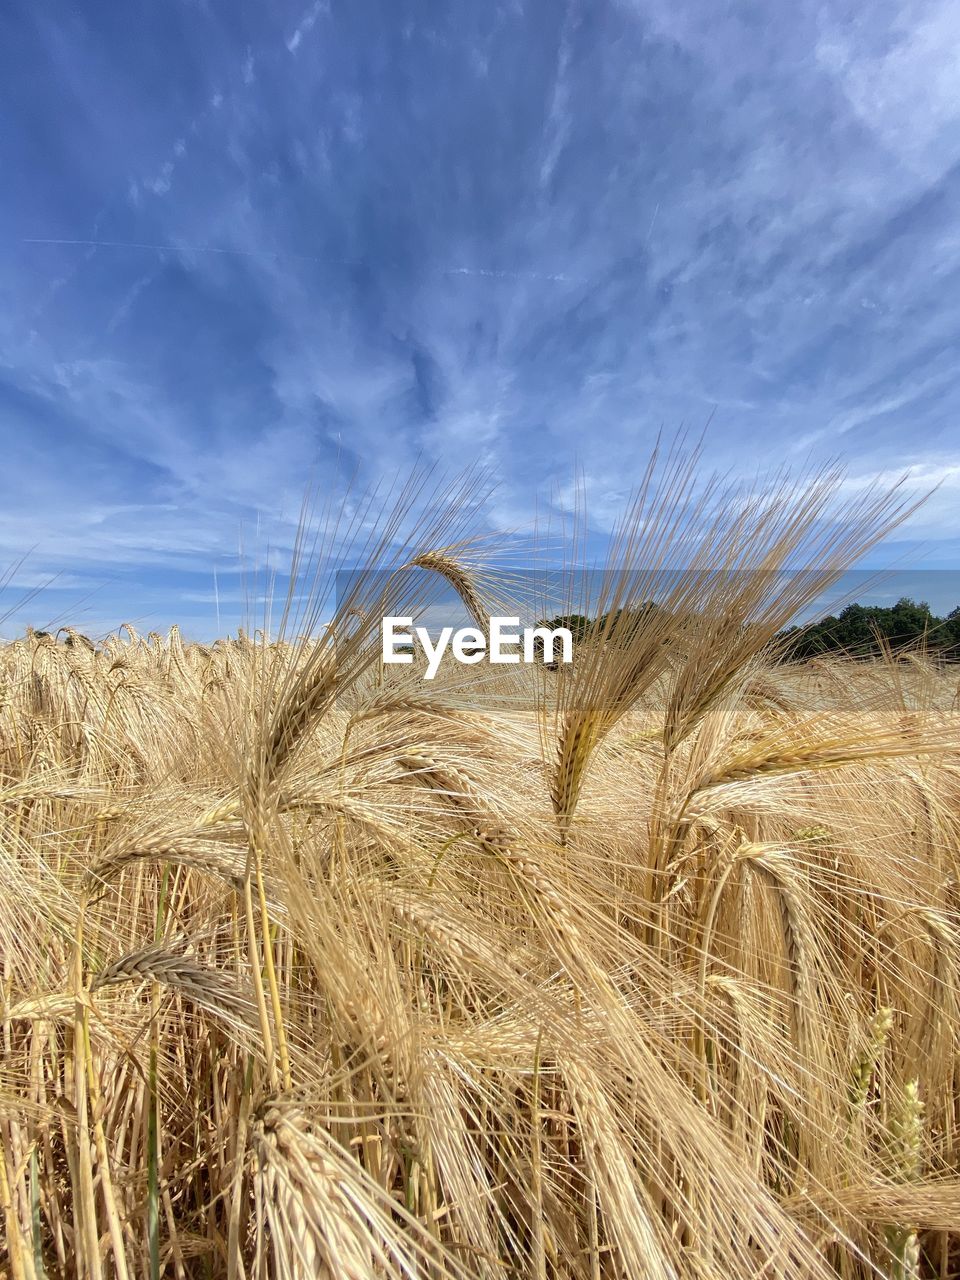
648	968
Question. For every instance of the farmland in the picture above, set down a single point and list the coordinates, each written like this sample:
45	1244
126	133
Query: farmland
646	968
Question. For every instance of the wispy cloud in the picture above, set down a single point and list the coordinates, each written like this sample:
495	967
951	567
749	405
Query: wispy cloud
335	237
306	24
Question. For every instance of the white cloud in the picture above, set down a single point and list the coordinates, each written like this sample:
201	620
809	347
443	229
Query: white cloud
161	182
306	24
901	76
128	301
681	209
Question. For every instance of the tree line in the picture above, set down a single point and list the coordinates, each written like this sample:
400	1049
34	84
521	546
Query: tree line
859	630
866	630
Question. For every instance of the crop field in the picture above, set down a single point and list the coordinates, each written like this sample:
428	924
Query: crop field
645	968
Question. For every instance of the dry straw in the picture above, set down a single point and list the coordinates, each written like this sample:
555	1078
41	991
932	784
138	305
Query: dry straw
645	968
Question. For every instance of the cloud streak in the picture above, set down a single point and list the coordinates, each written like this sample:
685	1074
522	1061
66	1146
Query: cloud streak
525	235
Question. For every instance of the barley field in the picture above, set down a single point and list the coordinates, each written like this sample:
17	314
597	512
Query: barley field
645	968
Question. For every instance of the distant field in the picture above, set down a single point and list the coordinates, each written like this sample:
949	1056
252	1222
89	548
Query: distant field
307	972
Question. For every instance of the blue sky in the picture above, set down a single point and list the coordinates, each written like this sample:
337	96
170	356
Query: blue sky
242	240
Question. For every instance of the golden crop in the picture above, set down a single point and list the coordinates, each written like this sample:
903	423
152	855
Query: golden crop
646	969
